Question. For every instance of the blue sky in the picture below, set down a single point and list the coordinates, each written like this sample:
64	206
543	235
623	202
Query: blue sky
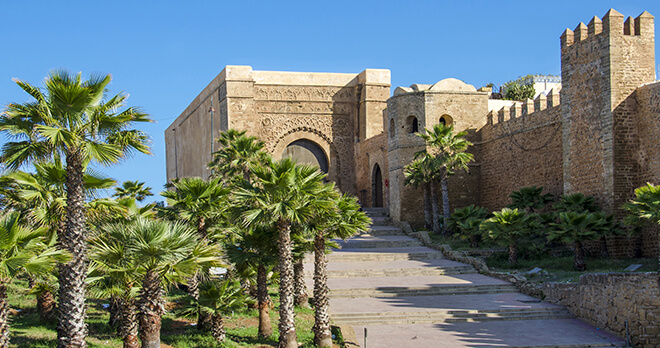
164	52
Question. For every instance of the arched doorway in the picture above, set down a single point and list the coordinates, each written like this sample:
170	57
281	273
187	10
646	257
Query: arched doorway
307	151
377	187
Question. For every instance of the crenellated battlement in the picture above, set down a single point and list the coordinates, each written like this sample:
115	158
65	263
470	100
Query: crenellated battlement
612	24
525	108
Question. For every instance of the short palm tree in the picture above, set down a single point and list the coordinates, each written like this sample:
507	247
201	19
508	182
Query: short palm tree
22	250
449	149
283	194
162	253
217	299
71	119
133	189
574	228
256	249
344	220
530	199
507	226
468	220
645	207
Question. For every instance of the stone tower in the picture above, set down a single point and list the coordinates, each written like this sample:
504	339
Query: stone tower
602	65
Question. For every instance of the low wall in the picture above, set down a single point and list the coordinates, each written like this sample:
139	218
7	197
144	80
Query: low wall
606	300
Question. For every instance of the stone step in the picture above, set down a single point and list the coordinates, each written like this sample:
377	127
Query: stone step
384	231
381	221
400	272
374	212
369	244
422	290
434	317
367	256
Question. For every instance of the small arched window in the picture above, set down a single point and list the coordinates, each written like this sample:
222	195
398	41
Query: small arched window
412	125
392	128
446	120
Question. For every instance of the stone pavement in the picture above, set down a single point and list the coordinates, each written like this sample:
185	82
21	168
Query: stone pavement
407	295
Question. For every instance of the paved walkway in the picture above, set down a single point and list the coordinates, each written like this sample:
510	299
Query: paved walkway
407	295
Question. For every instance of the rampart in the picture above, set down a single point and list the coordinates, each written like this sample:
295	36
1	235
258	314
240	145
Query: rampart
608	300
521	146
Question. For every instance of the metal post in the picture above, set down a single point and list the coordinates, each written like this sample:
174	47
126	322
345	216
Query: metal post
365	337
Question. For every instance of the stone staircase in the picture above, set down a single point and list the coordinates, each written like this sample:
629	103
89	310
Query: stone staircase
408	295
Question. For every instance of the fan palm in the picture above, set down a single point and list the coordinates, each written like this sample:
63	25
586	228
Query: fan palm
449	149
133	189
344	220
421	173
237	153
507	227
22	250
530	199
282	194
645	207
70	119
256	249
576	227
218	298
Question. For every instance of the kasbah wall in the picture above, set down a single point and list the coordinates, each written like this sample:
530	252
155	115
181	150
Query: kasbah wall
598	135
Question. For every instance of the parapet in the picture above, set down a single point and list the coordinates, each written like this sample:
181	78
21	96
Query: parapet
612	24
524	108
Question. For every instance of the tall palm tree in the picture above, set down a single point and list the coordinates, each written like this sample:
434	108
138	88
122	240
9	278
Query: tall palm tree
231	163
283	194
71	119
22	250
420	173
201	204
256	249
449	149
343	221
133	189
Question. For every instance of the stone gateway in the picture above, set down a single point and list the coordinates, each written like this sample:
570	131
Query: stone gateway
599	133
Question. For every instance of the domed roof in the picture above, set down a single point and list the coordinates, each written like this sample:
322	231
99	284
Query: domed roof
452	84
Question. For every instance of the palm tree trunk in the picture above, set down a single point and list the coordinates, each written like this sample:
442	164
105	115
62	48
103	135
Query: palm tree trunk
46	306
128	323
287	327
151	309
263	300
428	208
579	264
513	252
203	319
115	311
300	288
218	328
4	312
436	209
71	328
446	212
321	328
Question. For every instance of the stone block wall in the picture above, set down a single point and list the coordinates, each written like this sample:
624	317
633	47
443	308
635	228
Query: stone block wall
517	152
607	300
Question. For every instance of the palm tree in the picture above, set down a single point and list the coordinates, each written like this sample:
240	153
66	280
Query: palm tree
237	153
344	220
256	249
283	194
133	189
507	227
421	173
449	149
468	220
218	298
22	250
644	208
70	119
530	199
574	228
162	253
201	204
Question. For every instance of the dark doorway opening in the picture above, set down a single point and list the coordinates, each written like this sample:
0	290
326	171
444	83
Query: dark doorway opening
377	187
307	151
